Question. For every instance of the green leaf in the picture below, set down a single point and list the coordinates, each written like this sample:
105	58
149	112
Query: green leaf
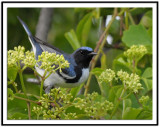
131	113
12	73
103	61
147	73
138	11
113	91
120	64
145	115
83	28
146	20
74	91
10	94
136	35
97	71
16	106
18	116
72	39
111	55
150	32
148	83
126	103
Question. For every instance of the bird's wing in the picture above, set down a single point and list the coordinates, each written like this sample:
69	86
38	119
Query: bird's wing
68	73
48	47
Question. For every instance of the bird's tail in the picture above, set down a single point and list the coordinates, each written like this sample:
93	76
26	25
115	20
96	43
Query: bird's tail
25	27
34	44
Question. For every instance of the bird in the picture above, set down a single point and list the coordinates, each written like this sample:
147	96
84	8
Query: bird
78	70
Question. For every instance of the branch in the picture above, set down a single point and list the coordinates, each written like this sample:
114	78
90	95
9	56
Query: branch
98	49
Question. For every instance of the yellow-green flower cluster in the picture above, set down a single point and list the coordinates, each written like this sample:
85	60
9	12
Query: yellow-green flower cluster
136	52
70	116
51	104
37	110
107	76
29	59
92	107
55	105
130	81
144	99
14	56
50	60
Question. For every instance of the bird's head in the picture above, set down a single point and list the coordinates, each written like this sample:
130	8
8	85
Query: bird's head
83	56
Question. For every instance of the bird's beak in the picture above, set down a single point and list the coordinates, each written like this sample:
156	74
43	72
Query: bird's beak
92	53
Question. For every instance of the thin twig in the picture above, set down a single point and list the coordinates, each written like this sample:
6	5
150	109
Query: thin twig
99	47
29	110
28	100
137	99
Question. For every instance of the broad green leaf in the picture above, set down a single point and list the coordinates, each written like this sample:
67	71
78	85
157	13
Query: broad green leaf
137	11
74	91
149	49
10	94
112	94
97	71
126	103
148	83
103	61
83	28
72	39
146	20
12	73
18	116
120	64
150	32
31	88
73	109
96	13
111	55
104	88
131	113
135	104
147	73
16	106
145	115
136	35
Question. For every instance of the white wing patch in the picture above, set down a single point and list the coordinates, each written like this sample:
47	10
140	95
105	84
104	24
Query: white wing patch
67	76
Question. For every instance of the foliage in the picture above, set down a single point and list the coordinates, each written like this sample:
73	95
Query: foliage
118	88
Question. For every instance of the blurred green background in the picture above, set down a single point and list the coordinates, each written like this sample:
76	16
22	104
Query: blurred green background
64	19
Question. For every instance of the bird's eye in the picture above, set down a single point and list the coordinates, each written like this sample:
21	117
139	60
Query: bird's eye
81	52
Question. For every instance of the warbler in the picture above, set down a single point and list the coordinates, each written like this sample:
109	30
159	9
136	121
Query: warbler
74	75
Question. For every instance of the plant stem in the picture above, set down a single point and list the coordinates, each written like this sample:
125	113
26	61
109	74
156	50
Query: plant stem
117	105
121	12
42	82
99	47
41	89
126	18
22	82
137	99
29	110
28	100
131	18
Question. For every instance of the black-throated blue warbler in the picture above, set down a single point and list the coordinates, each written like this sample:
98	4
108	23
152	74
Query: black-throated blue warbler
73	76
